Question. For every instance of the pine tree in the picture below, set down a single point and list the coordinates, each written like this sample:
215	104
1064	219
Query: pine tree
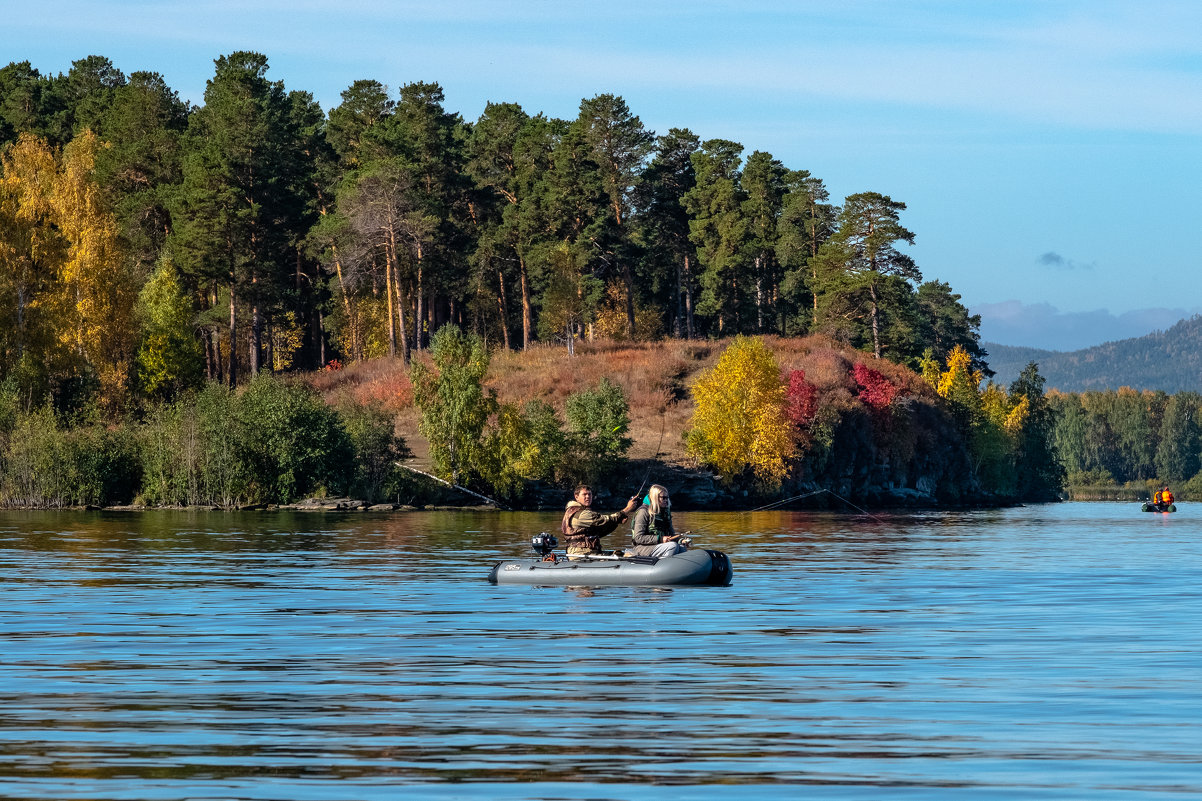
718	229
670	259
763	184
862	254
237	216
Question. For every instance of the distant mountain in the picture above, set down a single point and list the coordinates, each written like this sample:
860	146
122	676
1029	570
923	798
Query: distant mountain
1167	360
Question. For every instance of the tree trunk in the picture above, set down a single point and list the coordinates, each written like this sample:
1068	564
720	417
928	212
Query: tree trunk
628	277
321	338
215	338
527	308
876	331
256	339
419	309
269	347
690	332
206	338
677	310
356	349
233	362
502	304
389	275
759	295
400	306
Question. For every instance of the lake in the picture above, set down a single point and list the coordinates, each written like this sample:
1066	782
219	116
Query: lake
1041	652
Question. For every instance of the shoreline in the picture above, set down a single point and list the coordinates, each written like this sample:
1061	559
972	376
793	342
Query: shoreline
351	506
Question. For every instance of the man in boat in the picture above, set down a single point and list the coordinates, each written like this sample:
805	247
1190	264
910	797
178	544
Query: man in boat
583	528
1166	497
651	528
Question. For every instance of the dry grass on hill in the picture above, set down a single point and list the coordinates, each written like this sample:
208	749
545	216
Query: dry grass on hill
656	376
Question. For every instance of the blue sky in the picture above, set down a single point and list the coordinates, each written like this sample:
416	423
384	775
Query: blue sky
1049	151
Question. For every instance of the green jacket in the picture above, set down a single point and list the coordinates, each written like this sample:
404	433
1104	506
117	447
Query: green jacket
649	529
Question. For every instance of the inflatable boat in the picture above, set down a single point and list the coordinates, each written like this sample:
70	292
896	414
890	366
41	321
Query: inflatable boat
690	567
1158	507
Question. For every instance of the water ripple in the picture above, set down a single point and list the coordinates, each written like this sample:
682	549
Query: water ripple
1039	653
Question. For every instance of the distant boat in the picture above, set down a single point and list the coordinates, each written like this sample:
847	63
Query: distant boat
1158	507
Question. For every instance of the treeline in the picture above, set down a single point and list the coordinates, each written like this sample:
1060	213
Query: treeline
1129	438
146	244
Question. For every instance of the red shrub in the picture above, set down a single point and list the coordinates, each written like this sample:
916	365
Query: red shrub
801	399
874	389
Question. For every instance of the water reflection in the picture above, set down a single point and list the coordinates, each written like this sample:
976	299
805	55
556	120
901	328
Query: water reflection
1048	652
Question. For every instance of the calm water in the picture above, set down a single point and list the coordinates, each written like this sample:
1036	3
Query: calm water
1048	652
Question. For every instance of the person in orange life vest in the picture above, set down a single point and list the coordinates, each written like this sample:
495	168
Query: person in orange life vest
1156	498
1166	497
583	528
651	528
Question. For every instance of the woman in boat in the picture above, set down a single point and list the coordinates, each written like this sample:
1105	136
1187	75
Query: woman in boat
651	527
583	528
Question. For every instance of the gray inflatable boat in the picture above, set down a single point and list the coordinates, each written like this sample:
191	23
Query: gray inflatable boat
691	567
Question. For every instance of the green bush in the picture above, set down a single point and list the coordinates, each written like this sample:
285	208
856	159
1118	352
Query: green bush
36	462
377	449
455	406
225	476
271	443
598	420
1192	489
524	444
291	442
1089	478
103	465
173	455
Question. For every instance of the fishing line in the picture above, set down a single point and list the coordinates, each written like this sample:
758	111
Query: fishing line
816	492
663	419
858	509
788	500
784	501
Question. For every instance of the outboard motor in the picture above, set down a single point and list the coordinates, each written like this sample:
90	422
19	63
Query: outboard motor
720	572
543	543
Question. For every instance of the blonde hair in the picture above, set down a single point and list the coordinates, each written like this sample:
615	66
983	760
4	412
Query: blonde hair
657	498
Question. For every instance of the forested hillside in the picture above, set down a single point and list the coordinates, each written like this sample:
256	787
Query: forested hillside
147	245
161	264
1169	361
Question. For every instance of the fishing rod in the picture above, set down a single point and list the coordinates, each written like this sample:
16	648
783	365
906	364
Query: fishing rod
663	419
493	501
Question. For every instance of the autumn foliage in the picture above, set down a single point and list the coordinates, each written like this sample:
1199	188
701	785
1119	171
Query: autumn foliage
739	420
801	399
66	290
875	390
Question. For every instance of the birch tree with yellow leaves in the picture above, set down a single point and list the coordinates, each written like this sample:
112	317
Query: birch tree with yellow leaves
739	420
96	280
66	296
